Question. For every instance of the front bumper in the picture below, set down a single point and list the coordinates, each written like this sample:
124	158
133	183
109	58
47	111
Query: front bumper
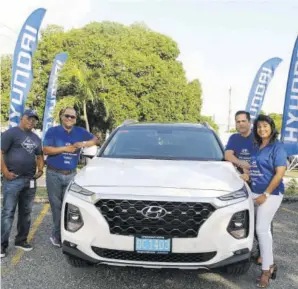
212	237
74	252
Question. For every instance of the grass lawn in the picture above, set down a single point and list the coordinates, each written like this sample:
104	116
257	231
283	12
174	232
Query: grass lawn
41	192
292	174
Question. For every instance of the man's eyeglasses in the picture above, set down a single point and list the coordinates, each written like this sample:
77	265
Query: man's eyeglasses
70	116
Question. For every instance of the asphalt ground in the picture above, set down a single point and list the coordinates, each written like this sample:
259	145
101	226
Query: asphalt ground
46	267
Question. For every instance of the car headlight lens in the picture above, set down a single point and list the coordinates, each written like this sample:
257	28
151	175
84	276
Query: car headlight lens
239	225
233	198
235	195
74	220
78	189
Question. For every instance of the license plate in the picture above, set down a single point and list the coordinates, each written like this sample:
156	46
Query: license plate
153	245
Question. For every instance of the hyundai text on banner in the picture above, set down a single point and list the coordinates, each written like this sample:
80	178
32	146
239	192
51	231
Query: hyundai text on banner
260	85
22	70
59	61
289	132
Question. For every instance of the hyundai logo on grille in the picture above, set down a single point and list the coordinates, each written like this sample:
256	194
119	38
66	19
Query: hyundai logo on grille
154	212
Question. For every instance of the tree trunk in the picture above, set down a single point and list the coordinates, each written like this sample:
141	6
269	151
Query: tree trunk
85	115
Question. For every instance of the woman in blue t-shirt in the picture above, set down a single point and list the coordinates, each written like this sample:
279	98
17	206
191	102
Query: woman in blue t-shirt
267	168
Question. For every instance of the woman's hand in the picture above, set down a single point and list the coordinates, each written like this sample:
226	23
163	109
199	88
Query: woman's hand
261	199
245	177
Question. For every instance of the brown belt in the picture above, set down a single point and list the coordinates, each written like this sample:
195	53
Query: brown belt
63	172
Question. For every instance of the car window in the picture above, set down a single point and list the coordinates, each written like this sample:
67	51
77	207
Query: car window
164	142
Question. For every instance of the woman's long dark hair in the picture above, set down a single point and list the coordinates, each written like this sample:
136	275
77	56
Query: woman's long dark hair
269	120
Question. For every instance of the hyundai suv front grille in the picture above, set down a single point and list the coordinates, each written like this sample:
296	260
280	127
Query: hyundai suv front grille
154	218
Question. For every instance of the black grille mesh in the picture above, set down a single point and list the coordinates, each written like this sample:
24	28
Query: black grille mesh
171	257
180	220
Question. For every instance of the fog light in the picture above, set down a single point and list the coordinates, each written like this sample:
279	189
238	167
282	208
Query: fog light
241	252
239	225
74	220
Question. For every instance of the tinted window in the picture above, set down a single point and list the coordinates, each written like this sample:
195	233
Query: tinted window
164	142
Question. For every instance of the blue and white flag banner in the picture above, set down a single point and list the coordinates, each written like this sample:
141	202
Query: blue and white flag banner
22	70
260	85
289	132
59	61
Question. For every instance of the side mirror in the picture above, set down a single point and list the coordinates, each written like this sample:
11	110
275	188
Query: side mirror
89	152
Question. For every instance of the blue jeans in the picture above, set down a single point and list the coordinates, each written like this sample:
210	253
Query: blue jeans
16	192
56	186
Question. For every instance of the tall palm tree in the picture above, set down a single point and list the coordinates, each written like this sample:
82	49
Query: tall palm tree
84	87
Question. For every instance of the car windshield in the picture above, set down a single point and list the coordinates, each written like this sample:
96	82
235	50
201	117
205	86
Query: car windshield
164	142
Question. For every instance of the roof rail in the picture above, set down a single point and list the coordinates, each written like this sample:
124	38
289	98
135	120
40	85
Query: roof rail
206	124
129	121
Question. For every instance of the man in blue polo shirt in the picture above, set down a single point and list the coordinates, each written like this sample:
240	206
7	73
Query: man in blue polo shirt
62	144
239	148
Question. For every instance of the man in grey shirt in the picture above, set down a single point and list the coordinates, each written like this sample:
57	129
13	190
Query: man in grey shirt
21	154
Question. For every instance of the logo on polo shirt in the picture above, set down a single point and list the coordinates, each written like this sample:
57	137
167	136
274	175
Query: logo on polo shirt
245	152
29	145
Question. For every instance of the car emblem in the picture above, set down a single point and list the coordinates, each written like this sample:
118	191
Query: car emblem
154	212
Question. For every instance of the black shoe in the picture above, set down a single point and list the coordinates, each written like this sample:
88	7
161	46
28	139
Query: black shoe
3	252
24	246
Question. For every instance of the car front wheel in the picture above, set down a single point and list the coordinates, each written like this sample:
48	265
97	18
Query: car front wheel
238	269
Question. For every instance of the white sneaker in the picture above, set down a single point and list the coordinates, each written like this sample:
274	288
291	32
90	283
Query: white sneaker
3	252
55	242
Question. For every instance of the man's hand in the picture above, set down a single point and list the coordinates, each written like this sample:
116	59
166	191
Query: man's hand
38	175
70	149
9	175
79	144
243	165
245	171
261	199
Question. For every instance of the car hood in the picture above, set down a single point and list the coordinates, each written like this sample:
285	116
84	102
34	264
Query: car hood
198	175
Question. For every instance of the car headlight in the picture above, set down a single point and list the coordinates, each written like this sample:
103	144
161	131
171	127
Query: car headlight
233	198
239	225
74	220
78	189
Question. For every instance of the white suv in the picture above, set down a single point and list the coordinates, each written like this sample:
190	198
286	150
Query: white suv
159	196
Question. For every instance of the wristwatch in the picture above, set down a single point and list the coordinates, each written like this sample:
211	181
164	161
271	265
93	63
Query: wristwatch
267	195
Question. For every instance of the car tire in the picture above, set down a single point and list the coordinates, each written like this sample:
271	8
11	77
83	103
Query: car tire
77	262
238	269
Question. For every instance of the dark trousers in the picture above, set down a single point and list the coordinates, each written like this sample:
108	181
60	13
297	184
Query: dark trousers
16	192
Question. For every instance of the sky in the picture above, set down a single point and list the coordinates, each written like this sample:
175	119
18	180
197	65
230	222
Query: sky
222	43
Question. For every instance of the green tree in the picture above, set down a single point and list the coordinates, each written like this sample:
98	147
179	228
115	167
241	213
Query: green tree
277	118
115	72
233	130
5	75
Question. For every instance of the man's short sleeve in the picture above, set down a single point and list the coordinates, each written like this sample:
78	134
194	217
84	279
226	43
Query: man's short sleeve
49	138
6	140
231	143
86	135
38	150
280	156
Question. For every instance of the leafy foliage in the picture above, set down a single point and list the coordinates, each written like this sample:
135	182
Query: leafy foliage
114	72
